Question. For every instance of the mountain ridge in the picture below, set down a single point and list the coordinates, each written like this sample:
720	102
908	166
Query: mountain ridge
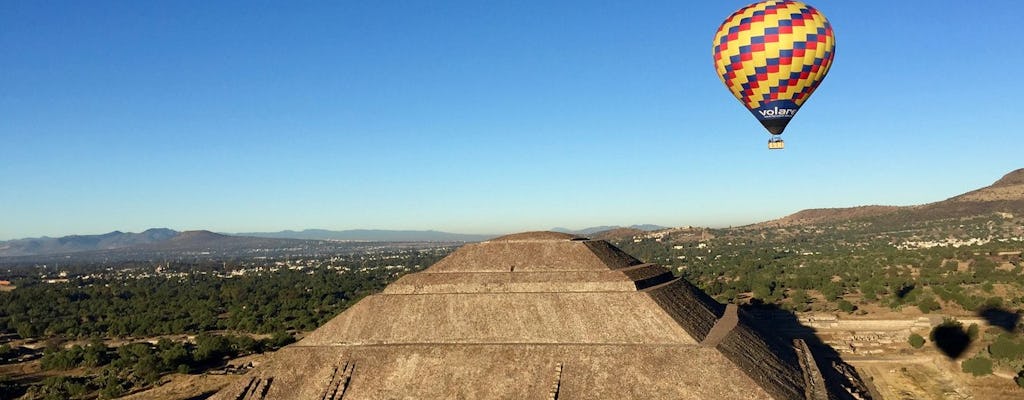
371	235
1005	195
78	243
171	240
604	228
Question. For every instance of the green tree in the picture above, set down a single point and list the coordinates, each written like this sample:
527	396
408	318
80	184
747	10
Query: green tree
173	355
280	339
60	387
831	291
916	341
762	291
972	331
977	366
927	304
800	299
846	306
26	330
1005	347
210	348
110	386
243	344
57	358
96	354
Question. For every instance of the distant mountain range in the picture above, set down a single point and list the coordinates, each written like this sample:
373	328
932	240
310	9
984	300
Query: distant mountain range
371	235
162	239
596	229
77	243
1004	196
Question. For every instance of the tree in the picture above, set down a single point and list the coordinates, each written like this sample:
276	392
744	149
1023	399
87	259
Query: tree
243	344
977	366
831	291
916	341
173	355
5	351
210	348
928	304
95	354
729	295
800	299
1006	348
110	386
281	339
972	331
56	358
762	291
60	387
846	306
26	330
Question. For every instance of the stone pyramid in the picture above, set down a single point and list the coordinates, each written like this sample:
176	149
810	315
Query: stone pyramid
538	315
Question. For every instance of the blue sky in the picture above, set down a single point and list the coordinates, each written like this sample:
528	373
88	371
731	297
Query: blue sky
478	116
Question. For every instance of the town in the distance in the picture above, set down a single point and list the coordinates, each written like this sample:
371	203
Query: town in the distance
920	301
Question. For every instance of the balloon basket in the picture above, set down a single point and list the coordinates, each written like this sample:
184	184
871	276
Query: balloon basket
776	144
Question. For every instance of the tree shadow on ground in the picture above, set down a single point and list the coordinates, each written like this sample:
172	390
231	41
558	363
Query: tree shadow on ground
951	339
1005	319
840	377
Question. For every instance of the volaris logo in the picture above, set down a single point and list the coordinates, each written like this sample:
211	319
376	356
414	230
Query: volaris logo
777	112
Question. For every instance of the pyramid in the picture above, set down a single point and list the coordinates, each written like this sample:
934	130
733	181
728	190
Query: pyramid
537	315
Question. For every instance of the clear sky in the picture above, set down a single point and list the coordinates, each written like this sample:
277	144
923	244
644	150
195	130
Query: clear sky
479	116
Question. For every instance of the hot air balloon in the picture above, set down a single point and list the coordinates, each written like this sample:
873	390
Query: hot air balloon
772	55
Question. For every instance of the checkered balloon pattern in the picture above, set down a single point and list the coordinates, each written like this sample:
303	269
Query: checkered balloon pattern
772	55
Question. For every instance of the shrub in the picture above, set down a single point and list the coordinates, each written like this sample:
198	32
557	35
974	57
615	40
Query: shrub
280	339
928	304
993	302
916	341
61	387
1005	347
846	306
977	366
972	332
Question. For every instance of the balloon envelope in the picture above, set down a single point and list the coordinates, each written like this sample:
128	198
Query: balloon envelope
772	55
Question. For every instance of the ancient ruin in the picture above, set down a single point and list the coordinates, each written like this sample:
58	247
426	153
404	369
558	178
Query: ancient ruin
537	315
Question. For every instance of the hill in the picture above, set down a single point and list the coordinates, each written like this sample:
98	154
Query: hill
604	228
1006	195
162	240
371	235
617	234
201	240
79	243
829	215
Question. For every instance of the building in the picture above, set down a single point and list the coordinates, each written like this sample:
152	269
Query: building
537	315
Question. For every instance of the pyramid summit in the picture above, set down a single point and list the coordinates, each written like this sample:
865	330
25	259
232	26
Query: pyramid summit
537	315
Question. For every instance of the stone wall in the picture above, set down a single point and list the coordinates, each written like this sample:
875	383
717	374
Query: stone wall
691	308
770	363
